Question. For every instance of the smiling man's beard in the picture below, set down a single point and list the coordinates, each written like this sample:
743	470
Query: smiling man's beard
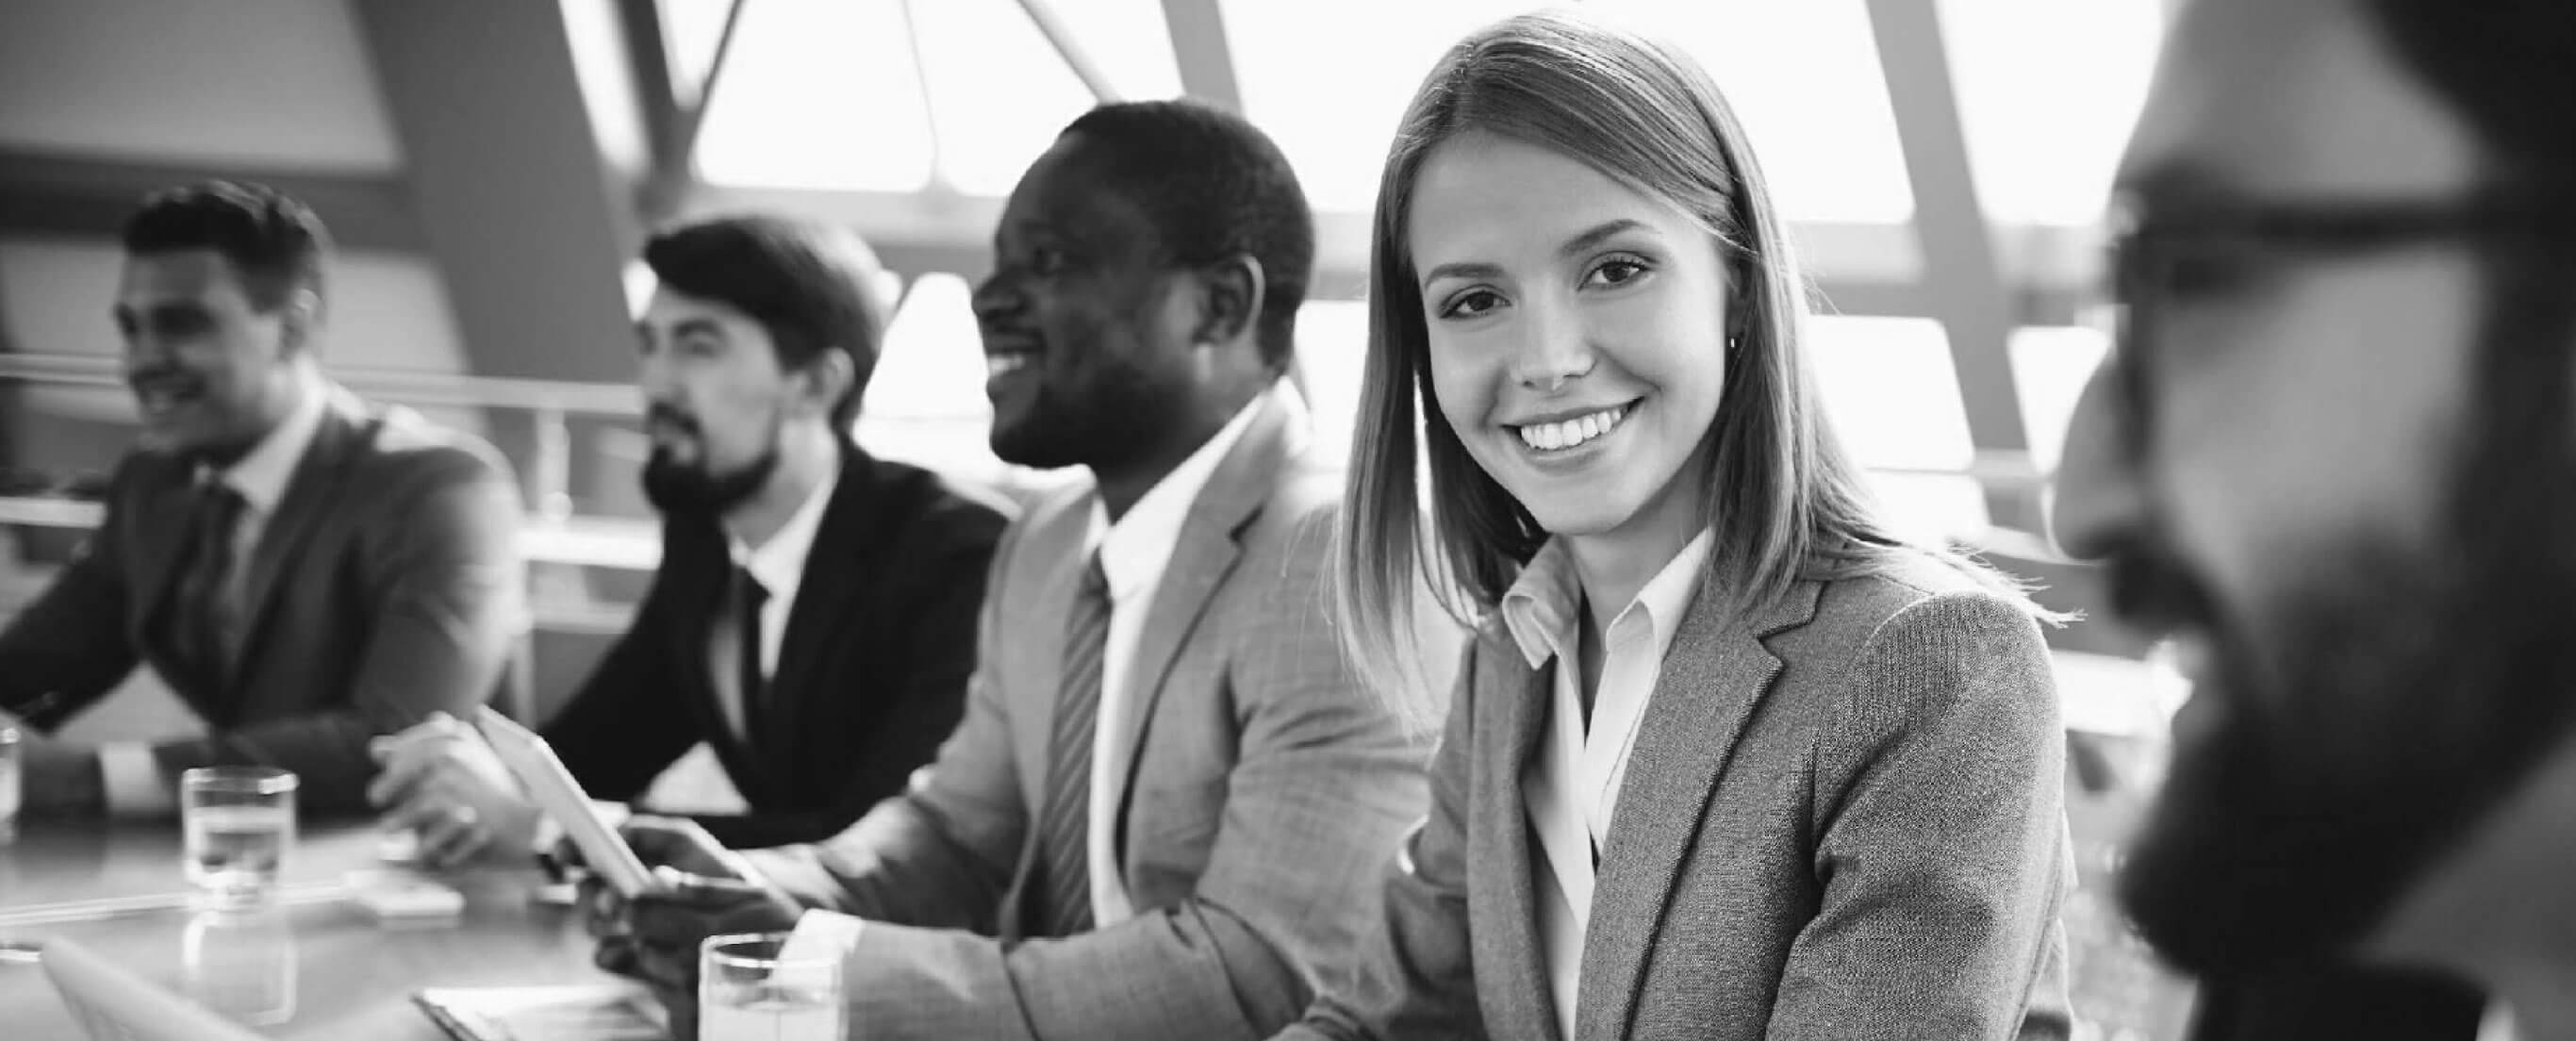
2410	689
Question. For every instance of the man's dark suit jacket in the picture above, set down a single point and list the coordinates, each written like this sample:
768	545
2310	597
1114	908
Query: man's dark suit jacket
385	586
871	674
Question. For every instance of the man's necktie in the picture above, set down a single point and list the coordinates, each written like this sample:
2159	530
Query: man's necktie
749	596
203	621
1061	893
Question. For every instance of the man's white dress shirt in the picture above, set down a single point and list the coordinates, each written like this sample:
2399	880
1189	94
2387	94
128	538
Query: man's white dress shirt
778	564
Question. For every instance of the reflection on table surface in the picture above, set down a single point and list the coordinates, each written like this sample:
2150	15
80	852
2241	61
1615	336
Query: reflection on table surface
323	969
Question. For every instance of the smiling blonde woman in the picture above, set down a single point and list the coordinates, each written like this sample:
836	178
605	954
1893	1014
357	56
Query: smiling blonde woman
1727	759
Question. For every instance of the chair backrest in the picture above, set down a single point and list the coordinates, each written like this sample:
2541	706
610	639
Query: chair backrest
114	1004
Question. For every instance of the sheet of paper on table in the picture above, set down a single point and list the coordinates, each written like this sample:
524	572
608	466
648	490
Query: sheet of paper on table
591	1012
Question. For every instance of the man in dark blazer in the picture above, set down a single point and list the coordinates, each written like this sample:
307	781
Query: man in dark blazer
305	569
814	616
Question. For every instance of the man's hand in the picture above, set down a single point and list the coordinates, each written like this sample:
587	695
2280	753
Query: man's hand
700	889
442	783
58	779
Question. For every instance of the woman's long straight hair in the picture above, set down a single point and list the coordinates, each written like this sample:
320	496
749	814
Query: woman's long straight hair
1786	499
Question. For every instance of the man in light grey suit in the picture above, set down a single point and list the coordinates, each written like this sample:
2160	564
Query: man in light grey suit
1168	803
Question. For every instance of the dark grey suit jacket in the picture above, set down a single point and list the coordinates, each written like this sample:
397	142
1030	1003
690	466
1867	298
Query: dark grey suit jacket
1264	788
1842	821
386	586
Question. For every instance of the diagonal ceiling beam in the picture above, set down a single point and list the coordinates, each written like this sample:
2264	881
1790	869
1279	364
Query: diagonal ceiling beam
530	248
1961	275
1059	35
527	217
1203	53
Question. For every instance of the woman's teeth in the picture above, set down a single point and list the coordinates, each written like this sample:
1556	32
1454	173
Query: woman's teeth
997	364
1569	433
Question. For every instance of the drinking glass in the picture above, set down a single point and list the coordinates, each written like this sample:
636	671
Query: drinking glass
8	784
241	964
238	823
749	991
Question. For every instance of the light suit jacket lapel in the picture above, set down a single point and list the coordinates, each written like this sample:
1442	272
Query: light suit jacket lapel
1714	674
1206	554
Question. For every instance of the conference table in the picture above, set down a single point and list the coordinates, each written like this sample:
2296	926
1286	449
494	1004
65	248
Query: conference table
316	964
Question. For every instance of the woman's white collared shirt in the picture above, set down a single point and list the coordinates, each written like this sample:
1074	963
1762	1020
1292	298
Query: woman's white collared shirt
1571	787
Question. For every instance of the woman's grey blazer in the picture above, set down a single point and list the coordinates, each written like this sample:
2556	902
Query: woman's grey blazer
1843	820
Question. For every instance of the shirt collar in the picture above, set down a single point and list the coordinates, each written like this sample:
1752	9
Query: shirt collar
779	564
261	475
1542	608
1133	550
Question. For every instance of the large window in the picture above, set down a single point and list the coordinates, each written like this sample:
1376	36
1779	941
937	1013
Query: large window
888	95
957	96
2048	90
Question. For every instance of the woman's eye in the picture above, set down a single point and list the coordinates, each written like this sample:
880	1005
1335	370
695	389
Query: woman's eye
1045	261
1472	303
1617	271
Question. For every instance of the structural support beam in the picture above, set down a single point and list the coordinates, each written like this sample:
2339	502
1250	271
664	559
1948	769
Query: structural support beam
85	197
528	222
1051	24
1960	270
1204	55
659	108
518	206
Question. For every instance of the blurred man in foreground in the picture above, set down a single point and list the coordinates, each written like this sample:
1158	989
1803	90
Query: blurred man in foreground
2333	458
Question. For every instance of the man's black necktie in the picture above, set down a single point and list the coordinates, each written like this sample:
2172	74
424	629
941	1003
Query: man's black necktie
1059	901
202	623
749	597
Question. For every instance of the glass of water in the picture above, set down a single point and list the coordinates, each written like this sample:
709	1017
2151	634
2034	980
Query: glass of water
748	990
238	823
8	784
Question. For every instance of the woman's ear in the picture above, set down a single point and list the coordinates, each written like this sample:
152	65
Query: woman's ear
1231	293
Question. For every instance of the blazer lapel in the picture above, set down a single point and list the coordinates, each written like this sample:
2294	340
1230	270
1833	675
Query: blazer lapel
160	568
838	567
696	564
1516	696
1199	566
308	498
1714	674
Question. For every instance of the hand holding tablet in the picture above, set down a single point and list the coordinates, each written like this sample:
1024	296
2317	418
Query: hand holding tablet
543	776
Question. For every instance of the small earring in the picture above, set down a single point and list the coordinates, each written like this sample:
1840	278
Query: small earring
1731	344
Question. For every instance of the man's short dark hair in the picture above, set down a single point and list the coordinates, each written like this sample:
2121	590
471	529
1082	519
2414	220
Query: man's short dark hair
274	242
812	286
1214	185
2505	66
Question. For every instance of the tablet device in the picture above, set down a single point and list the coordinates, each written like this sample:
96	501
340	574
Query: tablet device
533	762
